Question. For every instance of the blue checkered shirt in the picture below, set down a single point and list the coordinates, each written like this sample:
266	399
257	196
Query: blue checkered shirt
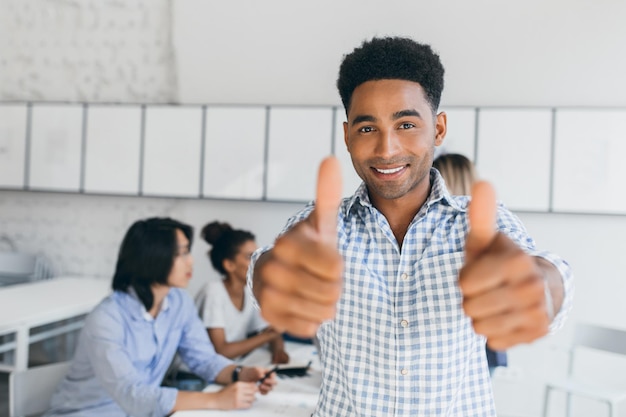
400	344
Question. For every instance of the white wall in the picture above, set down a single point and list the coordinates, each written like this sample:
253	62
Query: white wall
536	53
593	247
81	235
520	53
532	52
86	50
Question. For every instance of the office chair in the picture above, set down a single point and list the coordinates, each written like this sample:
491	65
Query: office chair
30	390
17	267
592	337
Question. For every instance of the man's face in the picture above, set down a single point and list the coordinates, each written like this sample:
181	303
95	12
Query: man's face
182	268
391	135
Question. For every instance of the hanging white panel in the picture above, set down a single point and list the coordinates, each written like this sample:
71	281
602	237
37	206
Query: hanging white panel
351	180
299	138
13	120
113	148
514	153
589	168
172	153
56	146
234	152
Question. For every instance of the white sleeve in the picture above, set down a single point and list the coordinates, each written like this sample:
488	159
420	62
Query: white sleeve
213	312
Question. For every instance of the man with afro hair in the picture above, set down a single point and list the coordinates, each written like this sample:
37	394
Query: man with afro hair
403	283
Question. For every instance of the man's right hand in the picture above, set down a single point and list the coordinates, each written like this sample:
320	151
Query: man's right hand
298	282
235	396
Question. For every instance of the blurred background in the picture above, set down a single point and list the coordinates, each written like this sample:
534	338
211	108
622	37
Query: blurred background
539	87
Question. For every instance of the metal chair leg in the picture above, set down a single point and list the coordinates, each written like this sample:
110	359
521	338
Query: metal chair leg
546	401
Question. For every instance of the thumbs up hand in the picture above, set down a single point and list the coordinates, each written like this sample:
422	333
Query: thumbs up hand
503	287
299	281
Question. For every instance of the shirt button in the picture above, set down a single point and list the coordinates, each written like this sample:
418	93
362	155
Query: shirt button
404	276
404	323
404	372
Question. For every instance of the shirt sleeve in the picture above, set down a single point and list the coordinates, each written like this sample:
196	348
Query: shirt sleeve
195	347
512	226
113	367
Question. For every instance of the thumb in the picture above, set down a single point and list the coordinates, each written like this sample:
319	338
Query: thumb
482	219
328	198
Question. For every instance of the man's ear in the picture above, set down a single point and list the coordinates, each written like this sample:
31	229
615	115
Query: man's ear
441	127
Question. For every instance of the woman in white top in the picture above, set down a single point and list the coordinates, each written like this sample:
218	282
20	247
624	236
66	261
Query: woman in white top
234	325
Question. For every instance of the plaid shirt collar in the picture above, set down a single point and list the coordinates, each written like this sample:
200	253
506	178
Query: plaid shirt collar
438	194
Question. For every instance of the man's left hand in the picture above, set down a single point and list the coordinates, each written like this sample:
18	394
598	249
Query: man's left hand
503	287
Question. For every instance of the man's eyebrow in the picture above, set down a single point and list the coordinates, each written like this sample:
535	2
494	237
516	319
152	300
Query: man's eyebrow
363	118
405	113
397	115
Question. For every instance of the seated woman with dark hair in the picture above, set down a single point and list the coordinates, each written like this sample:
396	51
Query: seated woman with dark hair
235	327
130	338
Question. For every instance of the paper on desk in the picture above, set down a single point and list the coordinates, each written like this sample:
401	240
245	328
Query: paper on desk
284	404
293	397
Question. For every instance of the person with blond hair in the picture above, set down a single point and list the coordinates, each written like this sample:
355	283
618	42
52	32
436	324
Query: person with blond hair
457	171
459	174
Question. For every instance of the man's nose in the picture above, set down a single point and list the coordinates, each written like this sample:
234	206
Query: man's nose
388	143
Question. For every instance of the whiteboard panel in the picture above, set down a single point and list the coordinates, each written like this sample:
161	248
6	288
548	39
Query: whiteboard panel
589	168
13	120
514	154
351	180
299	138
56	144
172	152
461	132
234	157
113	149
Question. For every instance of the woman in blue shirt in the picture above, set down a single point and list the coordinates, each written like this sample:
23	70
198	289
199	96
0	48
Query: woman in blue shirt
131	337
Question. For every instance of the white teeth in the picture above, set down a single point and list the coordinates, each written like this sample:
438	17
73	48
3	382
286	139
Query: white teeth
389	171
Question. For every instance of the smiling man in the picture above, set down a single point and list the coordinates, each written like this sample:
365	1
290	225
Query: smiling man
403	283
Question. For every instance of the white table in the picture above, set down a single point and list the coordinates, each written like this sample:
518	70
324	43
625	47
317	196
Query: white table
292	397
25	306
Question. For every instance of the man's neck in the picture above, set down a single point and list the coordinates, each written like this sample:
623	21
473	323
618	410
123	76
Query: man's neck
400	212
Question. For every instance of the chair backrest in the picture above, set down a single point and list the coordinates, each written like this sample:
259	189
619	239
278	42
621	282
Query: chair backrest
602	338
16	268
17	263
30	390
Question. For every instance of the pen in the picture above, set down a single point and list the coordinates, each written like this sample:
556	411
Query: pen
267	374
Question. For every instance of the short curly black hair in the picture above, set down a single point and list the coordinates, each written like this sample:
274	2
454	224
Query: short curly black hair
392	58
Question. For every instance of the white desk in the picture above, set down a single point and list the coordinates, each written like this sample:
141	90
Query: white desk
29	305
292	397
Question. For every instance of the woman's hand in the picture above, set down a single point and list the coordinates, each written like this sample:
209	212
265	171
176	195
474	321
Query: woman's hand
280	356
271	332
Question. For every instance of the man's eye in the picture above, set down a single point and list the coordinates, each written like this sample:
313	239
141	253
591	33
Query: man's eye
406	125
366	129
